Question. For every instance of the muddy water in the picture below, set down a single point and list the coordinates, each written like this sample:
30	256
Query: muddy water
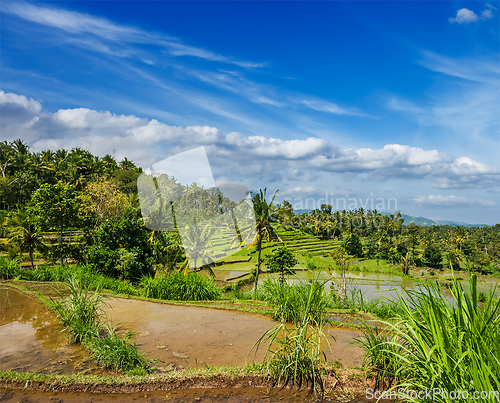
189	336
30	338
229	395
178	336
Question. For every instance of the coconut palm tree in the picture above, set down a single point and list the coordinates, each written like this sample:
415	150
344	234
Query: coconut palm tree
263	228
24	234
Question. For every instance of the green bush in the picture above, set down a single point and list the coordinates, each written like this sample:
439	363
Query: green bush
180	287
120	249
310	265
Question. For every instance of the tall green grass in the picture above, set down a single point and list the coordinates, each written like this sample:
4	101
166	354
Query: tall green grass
118	353
448	345
354	300
293	303
81	314
84	275
180	287
9	268
294	353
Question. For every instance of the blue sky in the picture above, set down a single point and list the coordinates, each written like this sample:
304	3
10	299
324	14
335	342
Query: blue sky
354	100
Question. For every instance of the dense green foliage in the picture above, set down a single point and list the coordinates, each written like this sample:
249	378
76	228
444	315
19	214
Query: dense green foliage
180	287
281	260
120	248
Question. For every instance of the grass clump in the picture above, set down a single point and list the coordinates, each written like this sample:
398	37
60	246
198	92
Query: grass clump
115	352
295	302
294	353
380	349
181	287
354	300
448	345
82	274
81	313
9	268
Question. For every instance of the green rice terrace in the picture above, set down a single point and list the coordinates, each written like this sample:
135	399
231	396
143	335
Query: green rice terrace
314	306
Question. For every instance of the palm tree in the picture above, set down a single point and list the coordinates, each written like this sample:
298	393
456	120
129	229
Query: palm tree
196	239
263	228
460	236
24	234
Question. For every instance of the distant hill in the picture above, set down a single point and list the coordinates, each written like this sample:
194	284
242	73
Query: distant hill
425	222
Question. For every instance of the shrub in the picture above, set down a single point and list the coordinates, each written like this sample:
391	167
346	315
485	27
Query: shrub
310	265
180	287
120	249
281	260
433	256
353	246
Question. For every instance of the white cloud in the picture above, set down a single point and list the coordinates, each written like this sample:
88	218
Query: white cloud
466	16
481	70
20	100
457	201
233	155
486	14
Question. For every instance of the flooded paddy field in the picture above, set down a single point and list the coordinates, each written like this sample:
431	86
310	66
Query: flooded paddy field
190	336
177	336
30	338
372	285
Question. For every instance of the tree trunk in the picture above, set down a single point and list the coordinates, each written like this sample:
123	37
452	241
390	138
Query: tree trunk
31	259
60	247
345	285
258	265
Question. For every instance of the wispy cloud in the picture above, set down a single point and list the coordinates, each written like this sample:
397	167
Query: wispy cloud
80	24
123	43
481	70
468	105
